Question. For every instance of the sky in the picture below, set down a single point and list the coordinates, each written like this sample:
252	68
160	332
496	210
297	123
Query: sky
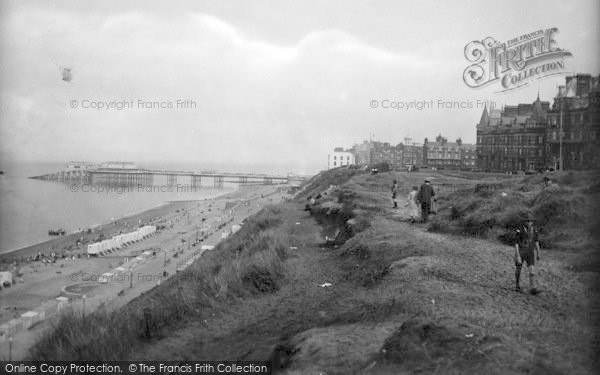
261	85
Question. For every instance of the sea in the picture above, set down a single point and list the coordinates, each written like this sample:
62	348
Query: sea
30	207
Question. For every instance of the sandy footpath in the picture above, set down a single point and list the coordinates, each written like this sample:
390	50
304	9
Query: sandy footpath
43	281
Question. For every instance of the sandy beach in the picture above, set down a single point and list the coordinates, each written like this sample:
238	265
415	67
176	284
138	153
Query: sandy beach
172	246
38	281
67	244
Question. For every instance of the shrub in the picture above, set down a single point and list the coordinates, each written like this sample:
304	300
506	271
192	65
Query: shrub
382	167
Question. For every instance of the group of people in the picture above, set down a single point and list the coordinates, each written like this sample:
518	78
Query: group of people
420	201
527	247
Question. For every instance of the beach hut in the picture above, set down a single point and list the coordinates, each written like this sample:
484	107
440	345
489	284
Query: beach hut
50	308
111	244
41	314
116	243
27	319
62	302
151	230
207	247
6	279
93	248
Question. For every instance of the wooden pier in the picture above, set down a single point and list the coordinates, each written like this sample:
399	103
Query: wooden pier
146	177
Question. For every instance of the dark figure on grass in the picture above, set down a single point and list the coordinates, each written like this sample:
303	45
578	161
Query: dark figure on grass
425	197
395	193
527	249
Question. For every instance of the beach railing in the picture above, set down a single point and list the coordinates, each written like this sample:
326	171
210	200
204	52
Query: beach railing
29	318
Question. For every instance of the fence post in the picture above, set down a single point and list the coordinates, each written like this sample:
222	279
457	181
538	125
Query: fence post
147	319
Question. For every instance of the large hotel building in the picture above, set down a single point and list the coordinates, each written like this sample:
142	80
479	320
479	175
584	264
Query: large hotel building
527	136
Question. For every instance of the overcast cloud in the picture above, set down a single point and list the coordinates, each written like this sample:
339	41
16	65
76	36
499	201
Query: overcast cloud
276	83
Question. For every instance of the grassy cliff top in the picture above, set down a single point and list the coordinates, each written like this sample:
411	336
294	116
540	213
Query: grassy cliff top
385	296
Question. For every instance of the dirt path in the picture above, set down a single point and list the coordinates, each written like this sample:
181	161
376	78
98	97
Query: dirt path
252	327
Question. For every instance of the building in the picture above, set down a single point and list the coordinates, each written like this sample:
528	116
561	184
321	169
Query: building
80	166
442	154
362	153
384	152
513	138
118	165
468	156
412	153
342	157
528	136
576	109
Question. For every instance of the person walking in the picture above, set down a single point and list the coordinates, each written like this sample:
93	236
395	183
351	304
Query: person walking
395	193
424	197
527	249
413	207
